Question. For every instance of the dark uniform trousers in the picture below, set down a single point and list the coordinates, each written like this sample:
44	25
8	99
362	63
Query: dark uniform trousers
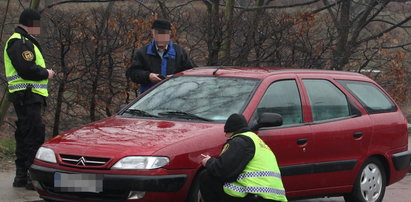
30	132
212	191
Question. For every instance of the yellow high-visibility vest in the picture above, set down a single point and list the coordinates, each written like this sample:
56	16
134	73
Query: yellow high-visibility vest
14	81
261	176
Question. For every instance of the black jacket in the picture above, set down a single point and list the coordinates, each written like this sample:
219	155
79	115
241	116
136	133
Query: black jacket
231	162
27	70
147	60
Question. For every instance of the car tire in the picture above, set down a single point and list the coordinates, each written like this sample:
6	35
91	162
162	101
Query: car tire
370	183
195	195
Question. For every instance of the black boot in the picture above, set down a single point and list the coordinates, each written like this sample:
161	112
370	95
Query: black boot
29	184
21	177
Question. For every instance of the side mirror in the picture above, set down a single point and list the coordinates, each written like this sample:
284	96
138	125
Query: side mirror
269	120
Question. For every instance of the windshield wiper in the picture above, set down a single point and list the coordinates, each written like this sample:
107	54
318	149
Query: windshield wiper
183	115
139	113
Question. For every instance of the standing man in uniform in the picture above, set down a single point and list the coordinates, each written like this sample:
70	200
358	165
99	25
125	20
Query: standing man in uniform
245	171
27	79
153	62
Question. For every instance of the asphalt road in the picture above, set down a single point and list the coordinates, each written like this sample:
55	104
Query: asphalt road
398	192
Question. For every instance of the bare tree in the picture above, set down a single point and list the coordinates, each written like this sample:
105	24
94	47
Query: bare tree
352	21
91	51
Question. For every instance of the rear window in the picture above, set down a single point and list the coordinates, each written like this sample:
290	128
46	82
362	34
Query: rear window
327	101
371	97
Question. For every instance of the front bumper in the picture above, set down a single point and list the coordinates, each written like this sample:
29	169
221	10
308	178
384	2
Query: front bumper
115	187
401	160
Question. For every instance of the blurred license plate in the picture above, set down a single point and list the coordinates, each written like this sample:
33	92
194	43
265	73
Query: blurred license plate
65	182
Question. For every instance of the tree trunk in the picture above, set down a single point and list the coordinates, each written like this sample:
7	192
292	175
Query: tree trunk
93	101
62	86
4	105
59	104
97	60
213	32
164	11
225	51
249	41
34	4
342	50
110	80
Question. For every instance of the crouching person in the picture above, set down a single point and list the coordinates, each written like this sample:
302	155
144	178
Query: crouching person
246	169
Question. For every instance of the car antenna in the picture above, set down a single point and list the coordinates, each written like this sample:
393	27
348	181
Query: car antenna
215	71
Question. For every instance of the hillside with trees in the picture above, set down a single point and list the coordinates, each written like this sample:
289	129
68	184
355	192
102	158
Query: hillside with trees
90	44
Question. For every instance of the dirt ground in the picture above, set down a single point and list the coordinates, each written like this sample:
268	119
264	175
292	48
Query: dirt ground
6	163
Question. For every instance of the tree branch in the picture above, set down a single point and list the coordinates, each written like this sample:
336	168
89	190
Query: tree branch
326	7
391	23
362	22
76	1
278	7
270	7
182	5
398	46
4	20
385	31
375	14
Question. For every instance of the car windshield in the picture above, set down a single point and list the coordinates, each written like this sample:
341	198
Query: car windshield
196	98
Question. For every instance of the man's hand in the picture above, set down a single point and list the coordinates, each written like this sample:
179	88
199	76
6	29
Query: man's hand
154	78
205	159
51	73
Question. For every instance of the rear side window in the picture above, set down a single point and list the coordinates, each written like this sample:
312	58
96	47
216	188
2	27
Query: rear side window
326	100
282	97
371	97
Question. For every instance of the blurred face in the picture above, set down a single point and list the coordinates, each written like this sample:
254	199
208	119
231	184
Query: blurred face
162	37
35	29
228	135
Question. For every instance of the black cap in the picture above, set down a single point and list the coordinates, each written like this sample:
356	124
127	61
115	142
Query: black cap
236	123
28	16
161	24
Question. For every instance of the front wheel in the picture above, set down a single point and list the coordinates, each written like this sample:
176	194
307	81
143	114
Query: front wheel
195	195
370	184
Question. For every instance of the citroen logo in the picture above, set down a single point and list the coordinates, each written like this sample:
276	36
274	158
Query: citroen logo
81	161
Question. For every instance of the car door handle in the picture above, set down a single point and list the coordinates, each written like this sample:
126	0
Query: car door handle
357	134
302	141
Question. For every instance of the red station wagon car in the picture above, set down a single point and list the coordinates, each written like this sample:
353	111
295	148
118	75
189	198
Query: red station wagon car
341	135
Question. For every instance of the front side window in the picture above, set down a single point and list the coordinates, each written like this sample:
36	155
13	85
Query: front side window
370	96
196	97
326	100
282	97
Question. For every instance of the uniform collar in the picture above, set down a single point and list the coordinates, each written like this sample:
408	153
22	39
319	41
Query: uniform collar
24	33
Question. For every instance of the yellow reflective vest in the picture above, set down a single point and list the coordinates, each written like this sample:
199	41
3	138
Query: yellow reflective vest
14	81
261	176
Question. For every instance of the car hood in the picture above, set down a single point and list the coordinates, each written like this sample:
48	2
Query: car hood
126	136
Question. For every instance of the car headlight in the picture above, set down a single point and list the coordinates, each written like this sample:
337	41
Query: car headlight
141	162
46	154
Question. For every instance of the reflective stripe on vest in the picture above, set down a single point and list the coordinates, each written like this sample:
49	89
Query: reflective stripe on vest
26	85
261	175
12	78
15	82
254	189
